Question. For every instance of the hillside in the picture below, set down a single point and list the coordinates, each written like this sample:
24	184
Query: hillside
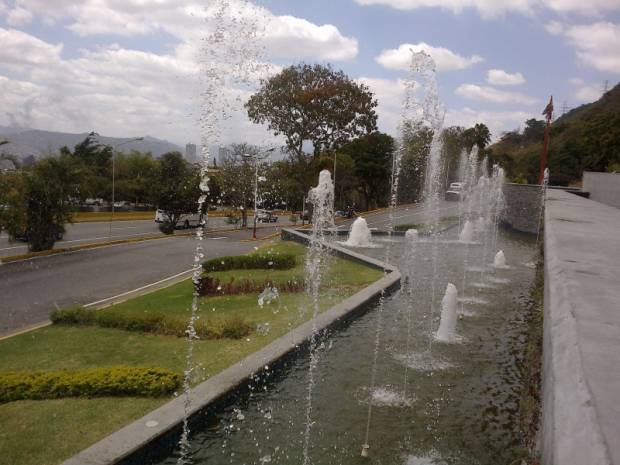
25	142
586	138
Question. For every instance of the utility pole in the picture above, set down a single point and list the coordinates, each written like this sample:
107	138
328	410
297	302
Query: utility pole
548	112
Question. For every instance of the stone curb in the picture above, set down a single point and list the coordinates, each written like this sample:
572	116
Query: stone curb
132	438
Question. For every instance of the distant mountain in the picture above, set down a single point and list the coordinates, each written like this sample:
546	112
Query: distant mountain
586	138
25	142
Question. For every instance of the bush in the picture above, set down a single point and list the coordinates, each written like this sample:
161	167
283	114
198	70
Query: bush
98	382
283	261
406	227
209	286
154	324
167	228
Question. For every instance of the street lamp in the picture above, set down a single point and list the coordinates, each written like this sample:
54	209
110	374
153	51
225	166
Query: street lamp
256	158
114	147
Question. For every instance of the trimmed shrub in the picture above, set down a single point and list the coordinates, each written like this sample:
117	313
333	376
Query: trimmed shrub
283	261
167	228
209	286
405	227
154	324
97	382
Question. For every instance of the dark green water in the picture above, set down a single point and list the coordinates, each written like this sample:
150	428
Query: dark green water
463	412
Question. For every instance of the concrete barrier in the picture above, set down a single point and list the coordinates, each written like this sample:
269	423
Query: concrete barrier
131	443
523	207
581	344
603	187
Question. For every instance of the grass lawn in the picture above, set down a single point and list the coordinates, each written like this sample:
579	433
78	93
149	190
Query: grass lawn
84	217
49	431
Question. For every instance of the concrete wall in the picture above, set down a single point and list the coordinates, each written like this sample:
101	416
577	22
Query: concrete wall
523	205
603	187
581	344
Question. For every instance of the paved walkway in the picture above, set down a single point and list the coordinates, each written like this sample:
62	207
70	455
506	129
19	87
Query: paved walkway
581	372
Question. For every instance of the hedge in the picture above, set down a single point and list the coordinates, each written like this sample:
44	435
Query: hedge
209	286
232	327
281	261
97	382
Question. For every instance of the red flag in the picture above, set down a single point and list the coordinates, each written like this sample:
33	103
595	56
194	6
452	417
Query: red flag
548	111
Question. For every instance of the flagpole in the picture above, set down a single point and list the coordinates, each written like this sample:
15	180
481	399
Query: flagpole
548	112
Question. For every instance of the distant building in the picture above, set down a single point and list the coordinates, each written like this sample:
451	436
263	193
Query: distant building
190	153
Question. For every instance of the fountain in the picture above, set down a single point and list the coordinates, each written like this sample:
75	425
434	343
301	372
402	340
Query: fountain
500	260
412	235
447	324
302	435
322	199
467	233
360	235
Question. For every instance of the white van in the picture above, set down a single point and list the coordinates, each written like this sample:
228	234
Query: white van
186	220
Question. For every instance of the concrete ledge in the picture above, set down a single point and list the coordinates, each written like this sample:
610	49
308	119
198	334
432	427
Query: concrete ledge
131	439
581	345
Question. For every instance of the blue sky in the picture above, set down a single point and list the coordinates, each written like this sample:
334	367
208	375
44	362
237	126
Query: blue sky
127	68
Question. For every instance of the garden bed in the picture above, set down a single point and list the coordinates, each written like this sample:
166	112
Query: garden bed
30	431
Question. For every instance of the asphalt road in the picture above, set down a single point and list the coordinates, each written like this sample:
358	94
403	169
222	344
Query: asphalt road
31	289
95	232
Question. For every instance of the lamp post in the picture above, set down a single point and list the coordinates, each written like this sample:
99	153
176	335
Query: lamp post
256	159
114	147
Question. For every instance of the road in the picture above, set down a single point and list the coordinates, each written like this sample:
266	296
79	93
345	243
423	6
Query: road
31	289
95	232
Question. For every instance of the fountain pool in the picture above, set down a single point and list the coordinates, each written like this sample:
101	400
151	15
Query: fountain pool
462	410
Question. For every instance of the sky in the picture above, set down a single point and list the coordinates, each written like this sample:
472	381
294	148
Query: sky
130	68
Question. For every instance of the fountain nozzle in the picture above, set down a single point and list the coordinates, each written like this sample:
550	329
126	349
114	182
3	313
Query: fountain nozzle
365	449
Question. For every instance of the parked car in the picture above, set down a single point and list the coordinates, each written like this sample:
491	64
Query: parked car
266	216
455	191
186	220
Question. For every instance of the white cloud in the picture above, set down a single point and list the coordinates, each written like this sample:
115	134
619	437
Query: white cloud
291	37
583	92
446	60
493	8
285	36
554	28
124	92
499	77
597	45
390	94
498	122
490	94
18	16
19	48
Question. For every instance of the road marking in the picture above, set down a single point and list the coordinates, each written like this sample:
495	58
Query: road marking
92	304
216	238
104	237
16	247
128	227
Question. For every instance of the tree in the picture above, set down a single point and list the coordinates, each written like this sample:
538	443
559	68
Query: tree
237	175
478	135
415	149
314	103
39	201
135	174
94	162
176	189
534	130
373	156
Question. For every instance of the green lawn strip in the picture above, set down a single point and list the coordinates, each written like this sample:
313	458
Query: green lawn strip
74	348
48	432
